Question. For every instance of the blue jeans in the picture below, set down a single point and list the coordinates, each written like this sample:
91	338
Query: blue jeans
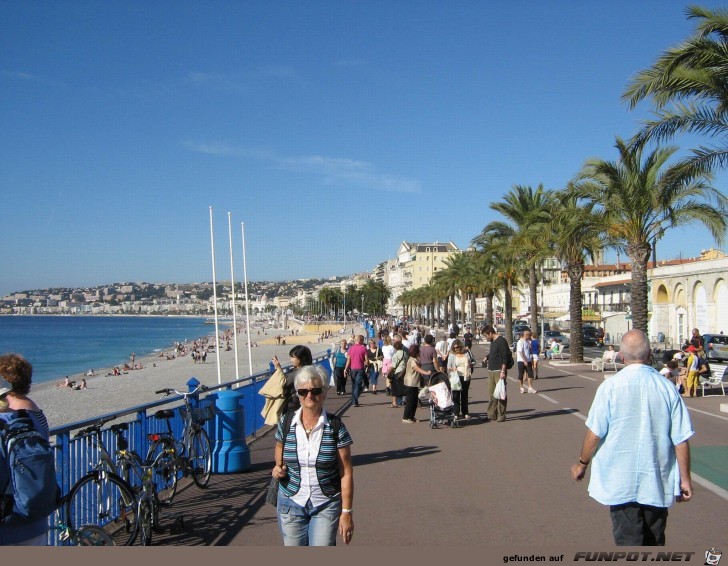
309	525
357	376
373	376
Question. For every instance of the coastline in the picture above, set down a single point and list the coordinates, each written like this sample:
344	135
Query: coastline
108	393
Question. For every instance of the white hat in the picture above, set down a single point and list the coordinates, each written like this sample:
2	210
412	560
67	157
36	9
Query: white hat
5	387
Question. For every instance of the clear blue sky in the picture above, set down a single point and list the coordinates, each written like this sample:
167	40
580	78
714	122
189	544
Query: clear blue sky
334	130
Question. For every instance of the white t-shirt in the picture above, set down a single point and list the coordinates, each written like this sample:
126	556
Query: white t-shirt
523	351
388	352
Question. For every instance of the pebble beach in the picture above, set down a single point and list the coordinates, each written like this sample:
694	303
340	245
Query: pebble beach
109	393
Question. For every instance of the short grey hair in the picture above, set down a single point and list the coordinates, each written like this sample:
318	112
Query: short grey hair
635	347
316	375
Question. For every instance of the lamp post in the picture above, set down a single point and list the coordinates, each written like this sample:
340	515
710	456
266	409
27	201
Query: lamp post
543	283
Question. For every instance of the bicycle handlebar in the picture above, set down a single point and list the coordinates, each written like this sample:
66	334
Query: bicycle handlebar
95	428
169	390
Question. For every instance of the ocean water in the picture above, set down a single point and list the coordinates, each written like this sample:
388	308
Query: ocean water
62	345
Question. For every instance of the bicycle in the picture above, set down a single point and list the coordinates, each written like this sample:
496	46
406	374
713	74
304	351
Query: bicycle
102	498
192	455
87	535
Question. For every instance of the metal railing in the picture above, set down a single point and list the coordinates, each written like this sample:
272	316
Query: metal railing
74	459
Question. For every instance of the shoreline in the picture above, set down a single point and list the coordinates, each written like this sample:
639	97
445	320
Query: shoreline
109	393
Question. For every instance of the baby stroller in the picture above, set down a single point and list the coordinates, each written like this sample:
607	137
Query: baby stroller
442	408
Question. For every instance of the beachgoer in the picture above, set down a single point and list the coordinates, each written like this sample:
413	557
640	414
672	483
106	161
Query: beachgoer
637	408
81	386
64	383
15	380
313	464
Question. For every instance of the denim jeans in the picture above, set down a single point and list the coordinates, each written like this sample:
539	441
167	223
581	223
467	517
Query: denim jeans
357	376
373	376
309	525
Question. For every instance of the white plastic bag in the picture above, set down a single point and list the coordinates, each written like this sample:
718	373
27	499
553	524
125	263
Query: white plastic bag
500	390
455	384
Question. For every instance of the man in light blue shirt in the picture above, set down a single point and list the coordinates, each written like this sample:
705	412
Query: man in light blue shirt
638	431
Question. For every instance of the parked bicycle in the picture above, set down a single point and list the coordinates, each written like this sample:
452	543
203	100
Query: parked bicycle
87	535
191	454
102	498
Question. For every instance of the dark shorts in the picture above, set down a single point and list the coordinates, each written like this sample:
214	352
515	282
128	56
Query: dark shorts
528	368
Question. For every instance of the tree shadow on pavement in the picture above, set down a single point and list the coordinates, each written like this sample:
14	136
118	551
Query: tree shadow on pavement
409	452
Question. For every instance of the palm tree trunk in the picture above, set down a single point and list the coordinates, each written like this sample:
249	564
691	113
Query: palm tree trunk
533	291
576	272
445	316
489	307
452	308
508	304
472	309
639	253
463	298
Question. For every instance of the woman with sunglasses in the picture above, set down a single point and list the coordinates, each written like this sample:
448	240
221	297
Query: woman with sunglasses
313	464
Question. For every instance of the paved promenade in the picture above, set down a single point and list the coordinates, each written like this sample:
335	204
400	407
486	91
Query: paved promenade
493	484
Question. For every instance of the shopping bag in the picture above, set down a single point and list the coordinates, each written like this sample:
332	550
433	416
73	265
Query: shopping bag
455	384
500	390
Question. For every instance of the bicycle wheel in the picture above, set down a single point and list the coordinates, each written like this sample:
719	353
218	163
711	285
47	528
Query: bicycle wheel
130	470
200	457
104	500
91	535
145	523
165	471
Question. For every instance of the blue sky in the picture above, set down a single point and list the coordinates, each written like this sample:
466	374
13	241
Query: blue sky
334	130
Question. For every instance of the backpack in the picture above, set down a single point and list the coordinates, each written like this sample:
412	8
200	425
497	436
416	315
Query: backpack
28	487
509	358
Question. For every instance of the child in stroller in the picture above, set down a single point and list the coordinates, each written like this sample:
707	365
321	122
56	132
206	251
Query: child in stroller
442	408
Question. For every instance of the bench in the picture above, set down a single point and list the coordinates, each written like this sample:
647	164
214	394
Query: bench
718	378
558	354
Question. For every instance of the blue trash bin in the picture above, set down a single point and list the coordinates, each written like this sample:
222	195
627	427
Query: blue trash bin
230	453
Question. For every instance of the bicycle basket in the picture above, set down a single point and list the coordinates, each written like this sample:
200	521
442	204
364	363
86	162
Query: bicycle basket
199	414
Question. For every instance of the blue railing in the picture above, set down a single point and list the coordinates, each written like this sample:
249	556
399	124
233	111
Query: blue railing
75	457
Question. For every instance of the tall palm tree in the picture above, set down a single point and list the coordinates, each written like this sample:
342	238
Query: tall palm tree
641	199
528	212
688	85
495	242
445	283
576	233
487	283
460	270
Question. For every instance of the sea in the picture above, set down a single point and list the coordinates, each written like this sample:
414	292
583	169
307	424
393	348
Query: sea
63	345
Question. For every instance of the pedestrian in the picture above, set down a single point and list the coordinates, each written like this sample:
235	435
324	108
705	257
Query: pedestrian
497	359
535	354
374	364
313	465
15	380
387	353
693	369
696	340
637	409
340	357
461	362
356	363
412	383
525	359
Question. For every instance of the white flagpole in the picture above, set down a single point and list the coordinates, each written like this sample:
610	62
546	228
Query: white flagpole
235	310
214	296
247	302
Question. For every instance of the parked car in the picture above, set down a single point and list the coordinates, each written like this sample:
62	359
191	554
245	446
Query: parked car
555	335
716	346
589	336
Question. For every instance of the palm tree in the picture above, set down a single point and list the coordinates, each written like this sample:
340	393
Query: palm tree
495	243
576	232
460	270
528	212
641	200
447	287
693	79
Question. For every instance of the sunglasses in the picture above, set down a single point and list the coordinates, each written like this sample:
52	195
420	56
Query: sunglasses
315	391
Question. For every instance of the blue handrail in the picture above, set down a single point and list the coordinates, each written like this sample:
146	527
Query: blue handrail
74	460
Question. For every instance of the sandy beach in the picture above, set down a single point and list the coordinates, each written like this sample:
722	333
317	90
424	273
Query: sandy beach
105	394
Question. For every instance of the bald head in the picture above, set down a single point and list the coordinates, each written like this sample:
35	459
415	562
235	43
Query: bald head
635	347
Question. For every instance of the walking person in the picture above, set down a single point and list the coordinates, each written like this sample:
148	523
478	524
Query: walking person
356	363
399	363
637	408
535	354
15	380
461	361
412	383
525	359
498	358
387	353
428	355
340	359
313	464
374	361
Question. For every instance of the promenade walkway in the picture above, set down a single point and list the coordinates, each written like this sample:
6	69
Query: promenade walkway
490	484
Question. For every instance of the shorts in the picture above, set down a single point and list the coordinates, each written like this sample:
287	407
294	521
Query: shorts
534	357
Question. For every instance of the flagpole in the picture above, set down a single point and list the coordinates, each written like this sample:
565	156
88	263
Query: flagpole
235	310
247	302
214	295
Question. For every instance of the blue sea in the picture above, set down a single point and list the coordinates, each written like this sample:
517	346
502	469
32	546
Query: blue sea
63	345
